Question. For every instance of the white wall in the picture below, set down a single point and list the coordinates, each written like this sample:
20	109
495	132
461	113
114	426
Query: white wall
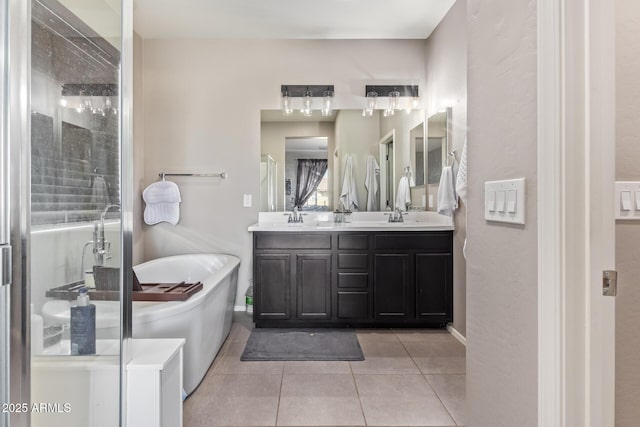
446	59
627	233
502	304
202	102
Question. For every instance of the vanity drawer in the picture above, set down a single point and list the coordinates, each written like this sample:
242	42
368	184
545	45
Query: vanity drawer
353	261
353	305
353	241
353	280
292	241
429	241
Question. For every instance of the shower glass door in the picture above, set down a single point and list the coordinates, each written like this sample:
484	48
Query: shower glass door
75	220
4	219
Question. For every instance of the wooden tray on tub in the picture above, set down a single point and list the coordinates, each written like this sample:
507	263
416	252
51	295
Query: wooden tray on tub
166	291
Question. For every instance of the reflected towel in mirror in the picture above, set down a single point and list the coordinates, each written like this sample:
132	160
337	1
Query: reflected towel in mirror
348	196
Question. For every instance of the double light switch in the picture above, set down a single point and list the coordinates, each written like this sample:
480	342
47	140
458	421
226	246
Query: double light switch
627	200
504	201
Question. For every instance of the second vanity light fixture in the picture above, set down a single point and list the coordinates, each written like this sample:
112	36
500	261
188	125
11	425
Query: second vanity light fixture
307	93
394	93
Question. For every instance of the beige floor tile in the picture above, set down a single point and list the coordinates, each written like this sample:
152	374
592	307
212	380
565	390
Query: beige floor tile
451	389
436	335
383	348
316	367
376	335
234	400
448	347
239	333
400	400
385	365
441	365
319	400
230	363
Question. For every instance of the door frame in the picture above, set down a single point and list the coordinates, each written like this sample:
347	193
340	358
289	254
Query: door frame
576	169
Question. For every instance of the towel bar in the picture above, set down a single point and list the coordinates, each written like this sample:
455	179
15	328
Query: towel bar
222	175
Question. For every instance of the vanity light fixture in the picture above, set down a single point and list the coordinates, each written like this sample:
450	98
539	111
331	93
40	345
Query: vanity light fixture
287	109
307	100
372	100
393	93
307	93
327	103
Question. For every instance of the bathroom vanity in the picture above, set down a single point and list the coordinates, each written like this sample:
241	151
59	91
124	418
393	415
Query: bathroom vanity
366	273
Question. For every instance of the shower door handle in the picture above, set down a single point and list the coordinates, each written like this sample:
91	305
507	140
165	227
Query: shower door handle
5	265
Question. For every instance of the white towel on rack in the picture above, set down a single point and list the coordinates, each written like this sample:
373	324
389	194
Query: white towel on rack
371	183
461	176
403	195
447	200
162	200
348	196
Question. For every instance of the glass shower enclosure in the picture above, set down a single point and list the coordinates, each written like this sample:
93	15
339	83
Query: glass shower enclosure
66	210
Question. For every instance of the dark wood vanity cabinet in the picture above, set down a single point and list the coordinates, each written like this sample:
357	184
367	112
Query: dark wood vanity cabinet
353	278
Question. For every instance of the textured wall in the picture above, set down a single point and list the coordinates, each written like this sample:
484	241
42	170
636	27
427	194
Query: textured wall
202	102
627	233
446	62
502	259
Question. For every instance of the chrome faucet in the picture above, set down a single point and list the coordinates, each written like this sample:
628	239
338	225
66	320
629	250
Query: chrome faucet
295	217
396	216
101	246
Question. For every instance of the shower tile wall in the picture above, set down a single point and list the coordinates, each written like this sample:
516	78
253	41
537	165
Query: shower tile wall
74	154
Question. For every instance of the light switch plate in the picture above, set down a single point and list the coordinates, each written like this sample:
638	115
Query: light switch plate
505	201
627	205
246	201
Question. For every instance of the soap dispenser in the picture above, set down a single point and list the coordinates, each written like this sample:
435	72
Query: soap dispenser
83	325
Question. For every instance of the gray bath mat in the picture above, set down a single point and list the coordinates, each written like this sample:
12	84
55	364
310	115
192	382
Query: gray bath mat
302	344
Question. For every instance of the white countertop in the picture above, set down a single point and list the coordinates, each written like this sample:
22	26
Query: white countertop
360	221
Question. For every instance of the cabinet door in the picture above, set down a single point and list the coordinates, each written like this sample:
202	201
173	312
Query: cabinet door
273	286
434	296
313	286
392	278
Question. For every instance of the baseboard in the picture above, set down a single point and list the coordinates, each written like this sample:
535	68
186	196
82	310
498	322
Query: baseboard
457	335
239	308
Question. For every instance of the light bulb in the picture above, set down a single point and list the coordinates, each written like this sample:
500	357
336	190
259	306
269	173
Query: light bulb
287	109
372	99
307	99
394	100
327	103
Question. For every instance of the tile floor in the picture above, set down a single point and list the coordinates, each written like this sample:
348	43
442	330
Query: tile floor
408	378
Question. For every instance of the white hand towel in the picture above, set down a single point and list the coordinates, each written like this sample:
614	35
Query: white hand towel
461	177
348	196
403	195
371	183
447	200
162	200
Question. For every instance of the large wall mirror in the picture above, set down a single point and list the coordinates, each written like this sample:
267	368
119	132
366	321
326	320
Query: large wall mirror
438	153
344	161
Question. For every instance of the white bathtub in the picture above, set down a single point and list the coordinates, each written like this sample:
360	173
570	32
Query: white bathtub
204	320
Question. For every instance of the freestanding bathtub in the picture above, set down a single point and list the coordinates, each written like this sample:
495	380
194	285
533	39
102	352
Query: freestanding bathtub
204	320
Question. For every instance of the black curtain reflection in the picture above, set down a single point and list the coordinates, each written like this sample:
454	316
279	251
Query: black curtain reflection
310	173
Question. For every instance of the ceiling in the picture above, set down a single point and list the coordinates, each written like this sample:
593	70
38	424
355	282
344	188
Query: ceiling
288	19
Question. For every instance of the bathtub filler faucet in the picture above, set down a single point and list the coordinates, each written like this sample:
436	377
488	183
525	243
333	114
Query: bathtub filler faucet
101	246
